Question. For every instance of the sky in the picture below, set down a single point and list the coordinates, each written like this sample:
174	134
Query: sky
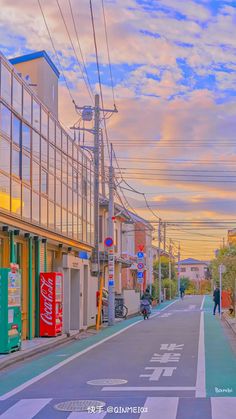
174	73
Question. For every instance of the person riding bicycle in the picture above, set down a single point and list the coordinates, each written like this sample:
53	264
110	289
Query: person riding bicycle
146	300
182	291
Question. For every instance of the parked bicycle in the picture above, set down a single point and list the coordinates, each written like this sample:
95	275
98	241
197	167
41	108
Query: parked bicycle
121	311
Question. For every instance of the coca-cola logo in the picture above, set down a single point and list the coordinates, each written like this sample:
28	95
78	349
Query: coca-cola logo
46	291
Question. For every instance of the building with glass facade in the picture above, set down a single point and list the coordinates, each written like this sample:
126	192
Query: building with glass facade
46	187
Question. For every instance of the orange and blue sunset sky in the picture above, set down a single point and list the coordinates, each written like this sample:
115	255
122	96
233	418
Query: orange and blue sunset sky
174	73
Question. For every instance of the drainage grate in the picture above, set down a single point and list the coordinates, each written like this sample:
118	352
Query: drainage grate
107	382
79	405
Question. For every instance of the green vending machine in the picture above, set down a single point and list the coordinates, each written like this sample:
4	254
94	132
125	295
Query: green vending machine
10	309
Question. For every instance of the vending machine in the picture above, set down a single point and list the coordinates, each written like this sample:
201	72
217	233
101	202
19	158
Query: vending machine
51	310
10	309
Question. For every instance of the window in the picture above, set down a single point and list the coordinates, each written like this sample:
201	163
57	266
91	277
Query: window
15	163
75	203
35	207
16	130
26	140
17	96
70	225
64	222
44	211
194	269
64	142
75	227
58	192
44	152
4	155
64	169
35	176
16	197
58	164
70	147
44	182
25	170
58	218
58	137
51	187
26	203
36	115
70	175
51	130
44	123
51	216
6	84
64	195
51	158
183	269
70	203
5	120
100	229
35	145
4	192
27	106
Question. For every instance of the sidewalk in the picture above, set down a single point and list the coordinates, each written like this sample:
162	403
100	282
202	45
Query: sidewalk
231	321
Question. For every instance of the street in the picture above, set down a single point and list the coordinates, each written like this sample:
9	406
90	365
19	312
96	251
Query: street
179	364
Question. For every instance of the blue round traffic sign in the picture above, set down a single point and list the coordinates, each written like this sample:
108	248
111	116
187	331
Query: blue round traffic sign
108	242
140	265
140	255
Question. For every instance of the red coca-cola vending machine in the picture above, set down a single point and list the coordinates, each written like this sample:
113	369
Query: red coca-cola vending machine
50	306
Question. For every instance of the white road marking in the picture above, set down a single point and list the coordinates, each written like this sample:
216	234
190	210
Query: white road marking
25	408
223	407
158	372
192	307
171	347
203	301
71	358
85	415
201	367
165	358
148	388
160	407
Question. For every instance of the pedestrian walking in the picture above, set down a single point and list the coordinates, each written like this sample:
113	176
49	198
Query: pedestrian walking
216	299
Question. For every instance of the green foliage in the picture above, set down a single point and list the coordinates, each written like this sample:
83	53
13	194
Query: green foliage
185	282
164	268
171	287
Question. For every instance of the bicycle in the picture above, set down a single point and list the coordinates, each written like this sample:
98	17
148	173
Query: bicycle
121	311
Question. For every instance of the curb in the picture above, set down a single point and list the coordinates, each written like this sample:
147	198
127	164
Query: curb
230	322
29	353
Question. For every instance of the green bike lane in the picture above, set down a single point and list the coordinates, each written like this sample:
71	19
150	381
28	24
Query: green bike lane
22	375
220	360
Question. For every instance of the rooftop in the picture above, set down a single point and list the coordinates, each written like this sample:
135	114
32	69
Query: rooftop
34	56
191	261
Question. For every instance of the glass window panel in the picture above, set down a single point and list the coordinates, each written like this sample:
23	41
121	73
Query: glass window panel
80	205
44	182
75	227
26	203
70	224
58	137
16	130
44	123
64	195
70	203
27	105
35	176
44	152
75	180
51	215
58	192
51	158
64	168
51	130
70	147
26	138
5	120
35	207
5	155
15	197
58	164
44	211
36	115
80	228
15	163
75	203
58	218
17	96
84	233
6	84
25	168
35	145
70	175
4	192
64	222
64	142
51	190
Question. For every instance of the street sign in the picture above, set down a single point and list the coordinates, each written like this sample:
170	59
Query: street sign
222	269
111	283
140	265
108	242
140	255
140	280
141	247
139	274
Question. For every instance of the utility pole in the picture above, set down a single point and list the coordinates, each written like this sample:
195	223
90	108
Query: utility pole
111	280
179	270
164	241
170	260
159	260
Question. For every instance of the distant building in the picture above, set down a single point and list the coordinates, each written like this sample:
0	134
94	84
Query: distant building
232	237
194	269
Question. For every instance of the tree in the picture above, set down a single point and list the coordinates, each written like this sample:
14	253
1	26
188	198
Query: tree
170	285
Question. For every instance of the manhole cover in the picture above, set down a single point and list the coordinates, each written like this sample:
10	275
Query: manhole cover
79	405
107	382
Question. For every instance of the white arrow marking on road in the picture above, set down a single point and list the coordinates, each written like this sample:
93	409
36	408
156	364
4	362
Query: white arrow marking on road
161	407
166	357
157	372
25	408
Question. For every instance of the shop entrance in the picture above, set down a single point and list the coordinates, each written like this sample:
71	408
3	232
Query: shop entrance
21	252
75	300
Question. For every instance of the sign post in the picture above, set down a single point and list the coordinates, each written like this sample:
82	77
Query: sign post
140	266
108	242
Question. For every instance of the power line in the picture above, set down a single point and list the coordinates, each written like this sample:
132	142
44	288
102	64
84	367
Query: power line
75	53
108	52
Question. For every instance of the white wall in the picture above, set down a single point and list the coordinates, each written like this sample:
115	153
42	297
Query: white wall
132	301
92	304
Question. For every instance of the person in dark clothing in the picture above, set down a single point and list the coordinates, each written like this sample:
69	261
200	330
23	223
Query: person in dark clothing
147	296
182	291
216	299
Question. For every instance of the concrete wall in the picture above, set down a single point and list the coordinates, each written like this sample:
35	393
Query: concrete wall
92	304
132	301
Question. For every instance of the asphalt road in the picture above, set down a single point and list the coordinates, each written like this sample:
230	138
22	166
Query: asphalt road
172	367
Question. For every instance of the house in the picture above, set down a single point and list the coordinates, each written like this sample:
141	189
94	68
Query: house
194	269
